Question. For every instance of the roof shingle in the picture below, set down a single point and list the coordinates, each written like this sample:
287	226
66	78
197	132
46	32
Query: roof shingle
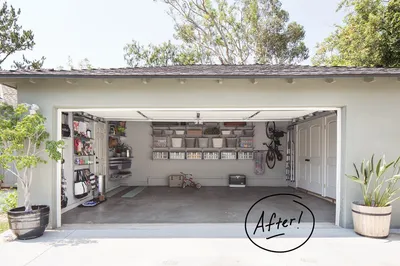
226	71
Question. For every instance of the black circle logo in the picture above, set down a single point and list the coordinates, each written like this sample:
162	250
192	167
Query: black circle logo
266	223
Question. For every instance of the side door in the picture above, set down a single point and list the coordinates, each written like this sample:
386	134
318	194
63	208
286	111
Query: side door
302	155
316	156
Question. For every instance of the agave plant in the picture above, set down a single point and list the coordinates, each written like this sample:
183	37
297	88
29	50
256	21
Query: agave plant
378	186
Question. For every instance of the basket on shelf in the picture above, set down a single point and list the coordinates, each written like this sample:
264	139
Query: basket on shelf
218	142
196	132
160	142
190	142
203	142
176	142
231	142
226	132
179	132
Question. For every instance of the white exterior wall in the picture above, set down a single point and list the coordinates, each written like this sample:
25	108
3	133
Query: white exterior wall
148	172
368	125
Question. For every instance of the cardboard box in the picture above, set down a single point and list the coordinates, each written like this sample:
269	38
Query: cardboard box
175	180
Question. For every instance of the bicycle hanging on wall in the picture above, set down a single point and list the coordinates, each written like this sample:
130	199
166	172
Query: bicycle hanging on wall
273	152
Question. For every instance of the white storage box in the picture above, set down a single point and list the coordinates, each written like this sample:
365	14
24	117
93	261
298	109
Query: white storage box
175	180
226	132
176	142
179	132
218	142
177	155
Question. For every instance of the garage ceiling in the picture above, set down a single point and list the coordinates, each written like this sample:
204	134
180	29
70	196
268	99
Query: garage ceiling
200	116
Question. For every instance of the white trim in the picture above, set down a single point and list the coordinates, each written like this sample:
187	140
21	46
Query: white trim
58	178
338	164
339	140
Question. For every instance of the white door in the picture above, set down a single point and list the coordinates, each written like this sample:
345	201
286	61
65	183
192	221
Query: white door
315	159
101	148
330	170
302	155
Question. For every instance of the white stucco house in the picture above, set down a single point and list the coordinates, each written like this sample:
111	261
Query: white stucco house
338	116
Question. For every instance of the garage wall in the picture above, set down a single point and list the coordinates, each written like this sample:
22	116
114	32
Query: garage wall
363	105
148	172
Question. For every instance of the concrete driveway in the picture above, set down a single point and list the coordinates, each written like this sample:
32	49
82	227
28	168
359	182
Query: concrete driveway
194	244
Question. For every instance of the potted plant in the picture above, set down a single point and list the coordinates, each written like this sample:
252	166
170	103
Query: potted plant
379	188
23	139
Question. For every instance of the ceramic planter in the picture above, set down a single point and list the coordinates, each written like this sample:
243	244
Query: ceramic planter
371	221
29	225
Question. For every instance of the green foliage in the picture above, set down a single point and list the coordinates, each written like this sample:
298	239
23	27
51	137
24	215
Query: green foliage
379	190
15	39
370	36
23	138
10	201
217	32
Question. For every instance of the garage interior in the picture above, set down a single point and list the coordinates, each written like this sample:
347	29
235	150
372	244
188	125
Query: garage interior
136	158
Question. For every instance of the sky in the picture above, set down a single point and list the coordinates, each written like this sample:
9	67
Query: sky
99	29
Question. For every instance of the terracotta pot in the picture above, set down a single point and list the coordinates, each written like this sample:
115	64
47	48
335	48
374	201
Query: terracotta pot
29	225
371	221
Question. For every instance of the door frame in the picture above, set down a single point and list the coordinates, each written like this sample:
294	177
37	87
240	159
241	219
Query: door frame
338	110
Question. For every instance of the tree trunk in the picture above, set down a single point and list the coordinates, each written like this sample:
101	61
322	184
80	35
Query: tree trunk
27	200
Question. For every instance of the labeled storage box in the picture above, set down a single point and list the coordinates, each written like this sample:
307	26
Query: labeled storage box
245	155
179	132
160	155
160	142
237	180
175	180
211	155
193	155
177	155
228	155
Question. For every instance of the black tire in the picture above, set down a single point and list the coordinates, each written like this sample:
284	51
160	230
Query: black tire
279	156
270	159
269	130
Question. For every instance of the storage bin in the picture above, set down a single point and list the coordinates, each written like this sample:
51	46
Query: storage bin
195	132
190	142
157	132
203	142
175	180
179	132
177	155
238	132
248	132
245	155
160	142
228	155
160	155
193	155
231	142
168	132
246	143
226	132
218	142
211	155
176	142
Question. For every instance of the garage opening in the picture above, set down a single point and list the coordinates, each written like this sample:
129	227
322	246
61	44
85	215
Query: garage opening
139	158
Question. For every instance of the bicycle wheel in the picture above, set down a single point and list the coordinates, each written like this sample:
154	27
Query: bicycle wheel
279	155
270	159
270	129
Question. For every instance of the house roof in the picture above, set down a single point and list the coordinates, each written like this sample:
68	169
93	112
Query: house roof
220	71
8	95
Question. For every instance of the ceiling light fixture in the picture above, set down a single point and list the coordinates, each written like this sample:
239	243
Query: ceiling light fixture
330	80
220	81
108	81
253	81
369	79
182	81
145	81
70	81
290	80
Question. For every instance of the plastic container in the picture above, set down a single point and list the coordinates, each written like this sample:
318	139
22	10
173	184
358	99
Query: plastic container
238	132
157	132
168	132
226	132
203	142
176	142
211	155
177	155
190	142
249	133
179	132
218	142
231	142
160	142
195	132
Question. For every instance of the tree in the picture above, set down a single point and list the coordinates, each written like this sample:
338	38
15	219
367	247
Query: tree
15	39
216	32
83	64
23	139
370	36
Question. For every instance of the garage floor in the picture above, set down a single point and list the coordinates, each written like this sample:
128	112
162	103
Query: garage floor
207	205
